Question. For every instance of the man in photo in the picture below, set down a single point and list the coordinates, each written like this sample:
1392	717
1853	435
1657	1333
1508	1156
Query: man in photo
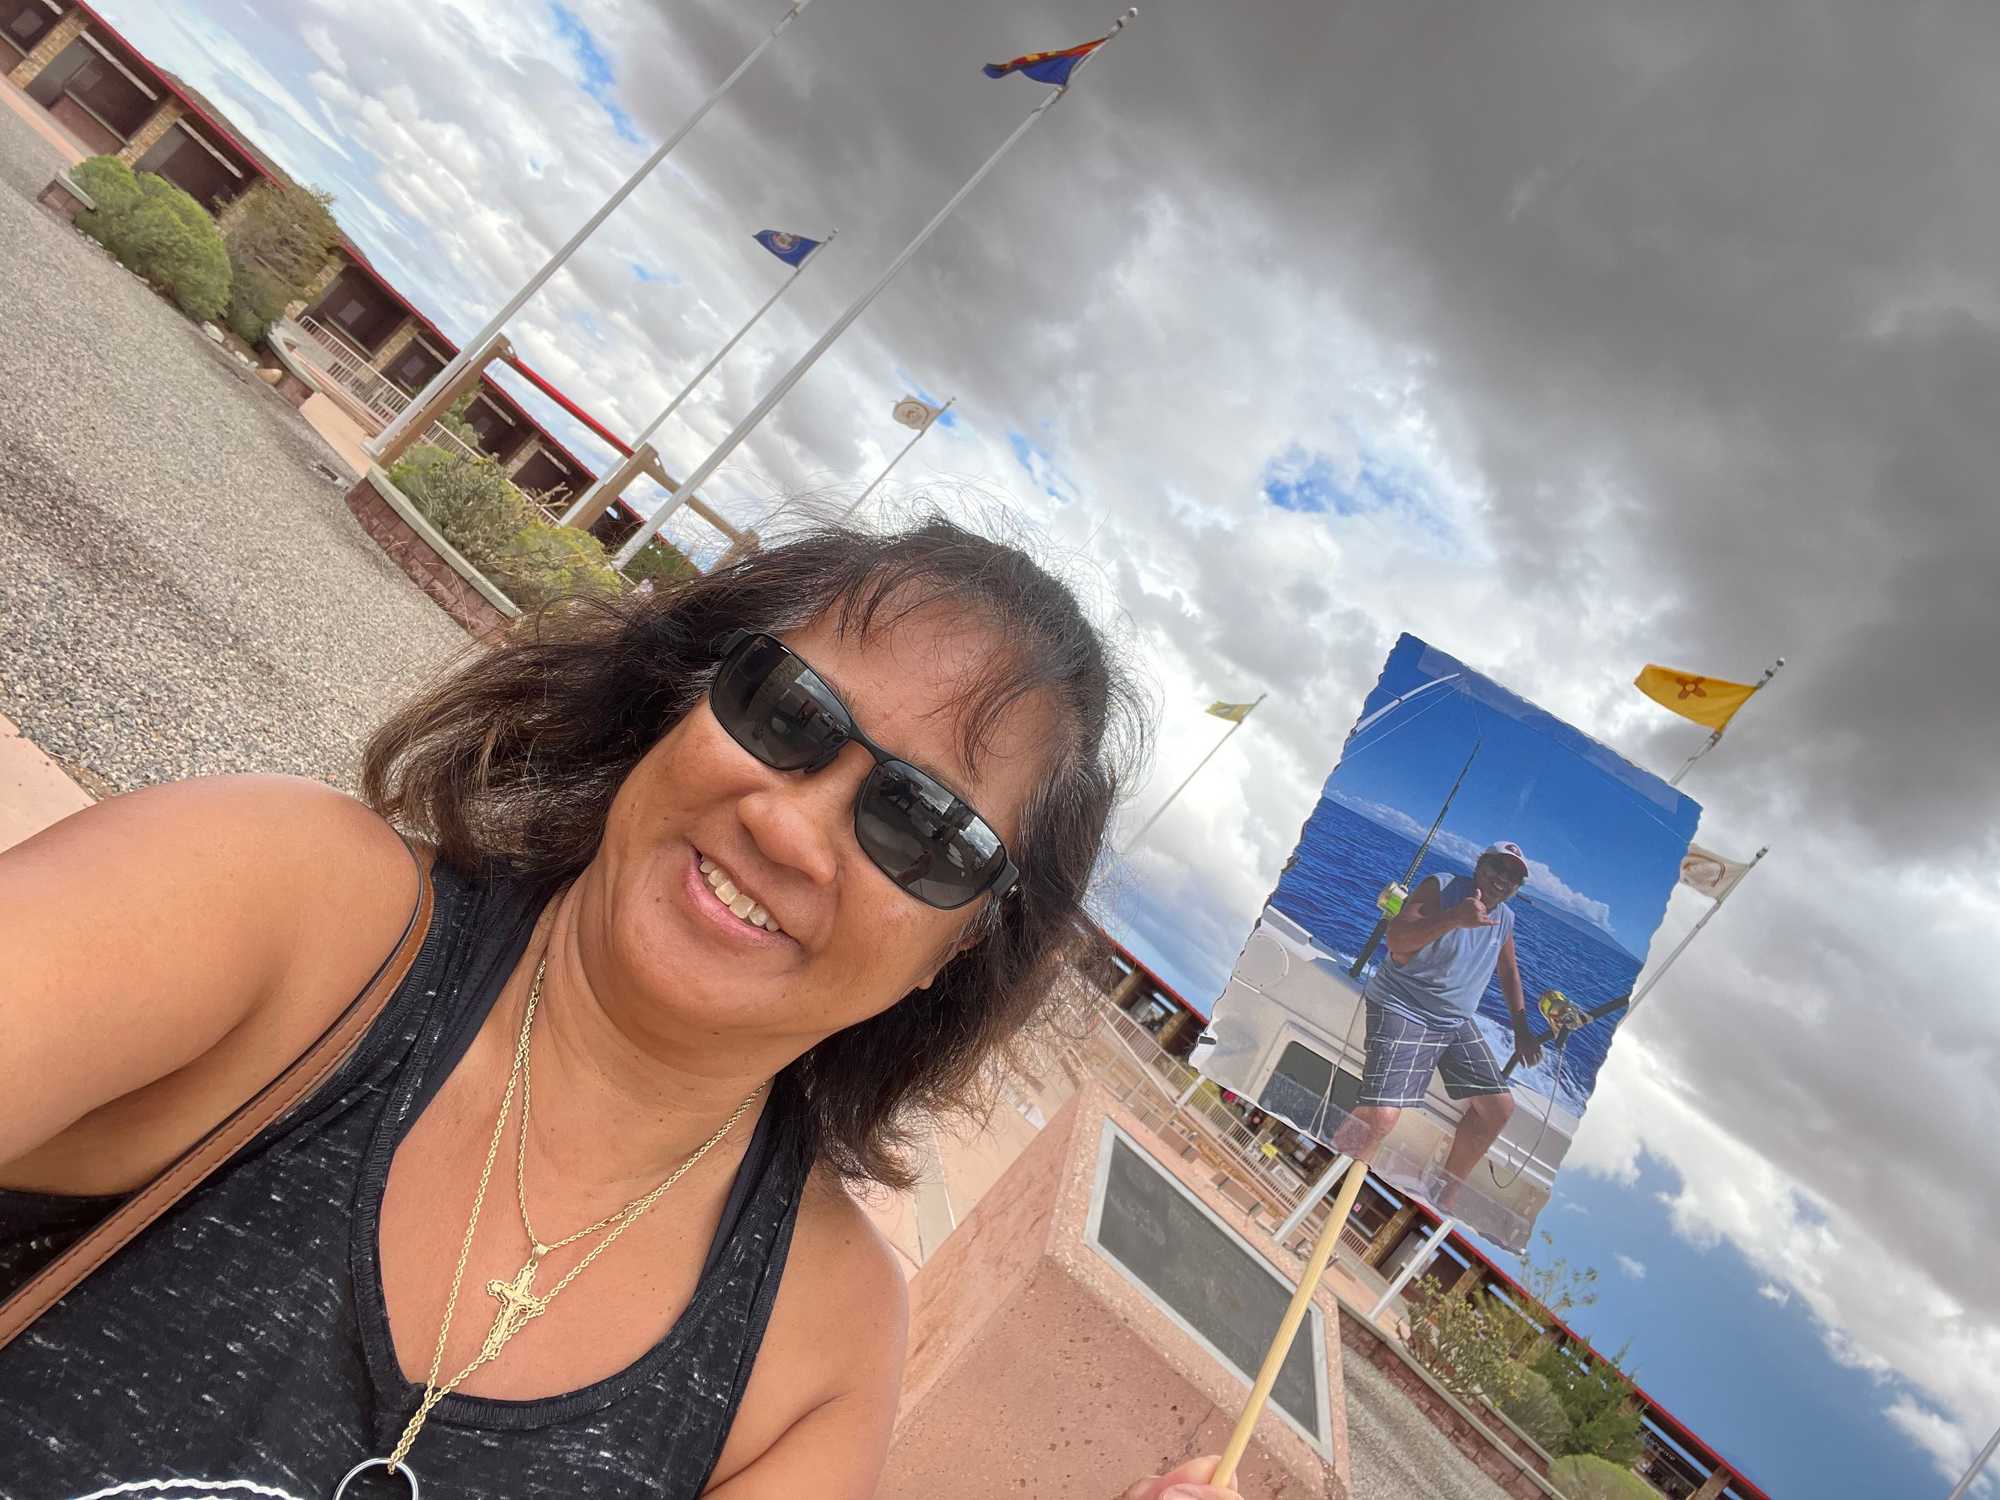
1444	947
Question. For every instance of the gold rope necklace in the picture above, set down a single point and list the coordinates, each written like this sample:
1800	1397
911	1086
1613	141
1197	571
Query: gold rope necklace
518	1303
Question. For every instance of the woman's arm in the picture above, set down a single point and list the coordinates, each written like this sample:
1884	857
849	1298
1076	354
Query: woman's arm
177	946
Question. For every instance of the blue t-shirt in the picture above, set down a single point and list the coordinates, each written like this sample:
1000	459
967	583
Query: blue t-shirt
1443	980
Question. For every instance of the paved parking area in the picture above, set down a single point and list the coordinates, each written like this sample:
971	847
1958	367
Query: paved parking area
182	588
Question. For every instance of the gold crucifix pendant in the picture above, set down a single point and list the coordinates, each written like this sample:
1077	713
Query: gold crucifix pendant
518	1305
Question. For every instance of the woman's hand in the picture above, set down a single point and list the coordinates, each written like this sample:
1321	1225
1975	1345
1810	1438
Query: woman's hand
1188	1482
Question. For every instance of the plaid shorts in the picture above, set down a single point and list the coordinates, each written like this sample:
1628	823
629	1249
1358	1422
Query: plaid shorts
1403	1051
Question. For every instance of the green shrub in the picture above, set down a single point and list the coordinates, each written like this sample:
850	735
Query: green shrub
156	231
665	565
280	237
499	530
1602	1407
1584	1477
1464	1339
1531	1406
255	302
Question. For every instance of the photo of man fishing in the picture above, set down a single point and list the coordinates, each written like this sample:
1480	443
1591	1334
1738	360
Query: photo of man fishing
1436	980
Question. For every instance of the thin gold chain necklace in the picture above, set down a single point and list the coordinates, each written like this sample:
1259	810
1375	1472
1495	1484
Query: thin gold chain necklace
518	1303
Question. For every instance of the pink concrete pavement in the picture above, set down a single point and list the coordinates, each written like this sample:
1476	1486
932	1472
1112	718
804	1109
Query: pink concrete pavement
39	120
34	792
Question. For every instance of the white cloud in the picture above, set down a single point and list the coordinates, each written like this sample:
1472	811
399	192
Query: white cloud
1636	1269
324	47
1770	1291
1664	401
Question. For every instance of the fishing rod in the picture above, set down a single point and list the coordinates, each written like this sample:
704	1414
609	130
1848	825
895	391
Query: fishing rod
1393	895
1564	1017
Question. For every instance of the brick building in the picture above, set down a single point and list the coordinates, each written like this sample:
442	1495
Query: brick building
103	91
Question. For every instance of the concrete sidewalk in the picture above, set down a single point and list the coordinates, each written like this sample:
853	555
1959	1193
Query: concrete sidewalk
34	791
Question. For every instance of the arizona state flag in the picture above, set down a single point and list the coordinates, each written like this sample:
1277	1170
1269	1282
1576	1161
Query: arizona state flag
1235	713
1046	67
1709	701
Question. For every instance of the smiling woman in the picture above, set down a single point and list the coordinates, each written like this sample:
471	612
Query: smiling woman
698	935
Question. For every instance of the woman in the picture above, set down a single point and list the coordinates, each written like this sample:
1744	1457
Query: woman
728	881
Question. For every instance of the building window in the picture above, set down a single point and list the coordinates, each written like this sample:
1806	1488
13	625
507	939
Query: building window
28	24
351	313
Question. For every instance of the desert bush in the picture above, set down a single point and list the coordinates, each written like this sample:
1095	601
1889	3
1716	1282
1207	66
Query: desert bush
156	231
1582	1476
1465	1340
500	531
663	564
1531	1406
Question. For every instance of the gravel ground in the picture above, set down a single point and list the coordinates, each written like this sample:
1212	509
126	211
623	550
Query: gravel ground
182	589
1394	1451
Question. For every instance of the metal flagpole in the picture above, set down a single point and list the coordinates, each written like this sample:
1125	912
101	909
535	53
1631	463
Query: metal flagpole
1716	738
555	262
1964	1486
1681	947
791	377
847	514
583	503
1133	843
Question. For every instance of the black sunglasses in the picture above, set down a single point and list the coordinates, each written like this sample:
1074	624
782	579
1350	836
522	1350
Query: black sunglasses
917	830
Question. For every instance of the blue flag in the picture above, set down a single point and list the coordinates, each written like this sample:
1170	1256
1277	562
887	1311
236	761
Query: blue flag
1046	67
792	249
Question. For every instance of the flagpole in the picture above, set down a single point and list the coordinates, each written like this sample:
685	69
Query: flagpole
848	514
583	503
791	377
1964	1486
1133	842
1716	738
1681	947
456	365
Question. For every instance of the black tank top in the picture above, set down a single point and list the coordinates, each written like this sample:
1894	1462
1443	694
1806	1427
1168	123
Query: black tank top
240	1346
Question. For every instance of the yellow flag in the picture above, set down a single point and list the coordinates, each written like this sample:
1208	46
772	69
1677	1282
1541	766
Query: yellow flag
1707	700
1236	713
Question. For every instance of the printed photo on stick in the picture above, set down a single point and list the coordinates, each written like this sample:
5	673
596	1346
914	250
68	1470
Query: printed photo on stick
1437	979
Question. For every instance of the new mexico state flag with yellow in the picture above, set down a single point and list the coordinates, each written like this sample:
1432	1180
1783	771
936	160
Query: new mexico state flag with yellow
1706	700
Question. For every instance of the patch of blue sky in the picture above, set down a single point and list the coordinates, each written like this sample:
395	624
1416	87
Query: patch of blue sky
649	276
599	82
1041	467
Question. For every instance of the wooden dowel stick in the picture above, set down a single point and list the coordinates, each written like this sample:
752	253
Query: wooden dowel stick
1288	1326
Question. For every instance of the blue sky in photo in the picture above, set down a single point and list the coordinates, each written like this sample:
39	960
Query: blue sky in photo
1608	830
598	79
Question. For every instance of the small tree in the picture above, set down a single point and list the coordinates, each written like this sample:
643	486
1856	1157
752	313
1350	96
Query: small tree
1602	1407
156	231
1533	1408
1582	1477
664	564
280	237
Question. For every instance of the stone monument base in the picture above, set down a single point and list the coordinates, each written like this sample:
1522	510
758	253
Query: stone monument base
1041	1364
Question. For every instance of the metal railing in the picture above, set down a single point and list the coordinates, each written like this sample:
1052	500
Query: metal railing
373	392
1176	1102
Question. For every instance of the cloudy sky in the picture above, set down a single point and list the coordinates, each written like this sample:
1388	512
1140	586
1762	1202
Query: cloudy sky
1568	336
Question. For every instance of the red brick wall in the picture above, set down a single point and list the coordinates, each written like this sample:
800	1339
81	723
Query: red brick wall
431	573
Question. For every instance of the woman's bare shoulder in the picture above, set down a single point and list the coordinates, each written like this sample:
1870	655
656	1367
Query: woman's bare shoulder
196	928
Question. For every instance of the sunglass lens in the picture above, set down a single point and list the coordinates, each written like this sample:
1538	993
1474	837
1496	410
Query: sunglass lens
774	707
924	838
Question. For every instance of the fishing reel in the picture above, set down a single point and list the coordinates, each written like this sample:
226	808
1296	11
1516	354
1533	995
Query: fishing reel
1561	1013
1390	901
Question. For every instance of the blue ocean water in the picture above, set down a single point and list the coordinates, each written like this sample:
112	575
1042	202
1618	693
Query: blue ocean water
1343	859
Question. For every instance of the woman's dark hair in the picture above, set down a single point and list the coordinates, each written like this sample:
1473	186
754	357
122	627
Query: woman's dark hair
511	762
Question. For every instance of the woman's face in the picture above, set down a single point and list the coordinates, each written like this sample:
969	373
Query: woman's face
680	965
